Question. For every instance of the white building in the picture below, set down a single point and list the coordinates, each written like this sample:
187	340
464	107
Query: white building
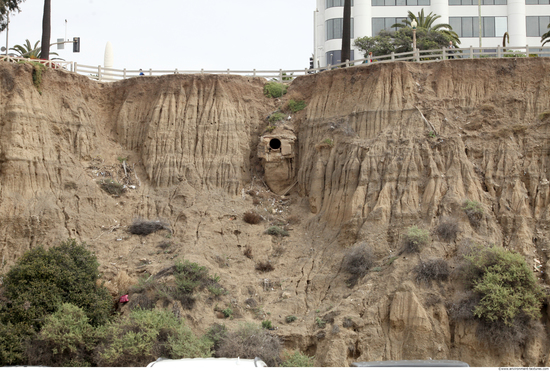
524	20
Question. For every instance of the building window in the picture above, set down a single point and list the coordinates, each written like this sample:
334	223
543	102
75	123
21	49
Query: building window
335	27
475	2
537	26
400	2
333	3
537	2
469	26
335	56
379	24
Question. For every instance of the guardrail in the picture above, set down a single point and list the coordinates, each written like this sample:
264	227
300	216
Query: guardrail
48	63
421	56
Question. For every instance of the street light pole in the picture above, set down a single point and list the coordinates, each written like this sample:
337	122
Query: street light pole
7	32
413	25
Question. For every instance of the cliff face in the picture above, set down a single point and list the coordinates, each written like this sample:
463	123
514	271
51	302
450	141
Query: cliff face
378	149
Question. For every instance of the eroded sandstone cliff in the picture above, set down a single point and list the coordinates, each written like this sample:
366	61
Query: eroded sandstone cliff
378	149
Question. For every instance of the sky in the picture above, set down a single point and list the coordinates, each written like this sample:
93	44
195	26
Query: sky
170	34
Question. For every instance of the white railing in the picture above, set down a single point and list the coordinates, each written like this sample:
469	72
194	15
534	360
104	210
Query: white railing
111	74
48	63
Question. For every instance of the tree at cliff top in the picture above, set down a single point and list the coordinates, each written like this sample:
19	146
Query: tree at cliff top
427	23
46	30
7	6
346	33
400	41
545	37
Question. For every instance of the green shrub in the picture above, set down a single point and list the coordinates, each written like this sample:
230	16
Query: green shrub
274	89
290	319
474	211
357	262
250	341
42	280
276	231
13	338
111	187
327	143
267	324
506	285
416	239
277	116
296	106
143	336
297	359
215	334
227	312
66	340
37	70
320	323
514	54
188	278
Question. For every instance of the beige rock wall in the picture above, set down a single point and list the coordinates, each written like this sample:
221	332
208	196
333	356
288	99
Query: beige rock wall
410	143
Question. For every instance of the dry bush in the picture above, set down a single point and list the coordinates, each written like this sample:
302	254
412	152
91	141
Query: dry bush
433	269
164	245
143	301
250	341
251	302
248	252
448	229
509	338
463	308
111	187
278	251
347	322
357	262
432	300
293	220
252	217
265	266
329	317
145	227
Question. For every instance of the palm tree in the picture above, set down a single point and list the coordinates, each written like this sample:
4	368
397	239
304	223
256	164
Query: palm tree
46	29
427	22
27	50
7	6
546	37
346	34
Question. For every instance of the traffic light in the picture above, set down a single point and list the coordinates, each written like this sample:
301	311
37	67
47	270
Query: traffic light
311	66
76	44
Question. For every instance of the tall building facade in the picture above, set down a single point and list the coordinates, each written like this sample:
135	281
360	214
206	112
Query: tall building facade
524	20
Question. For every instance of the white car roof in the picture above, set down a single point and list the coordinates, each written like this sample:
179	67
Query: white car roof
206	362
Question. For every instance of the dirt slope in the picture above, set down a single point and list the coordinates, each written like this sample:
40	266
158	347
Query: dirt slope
378	148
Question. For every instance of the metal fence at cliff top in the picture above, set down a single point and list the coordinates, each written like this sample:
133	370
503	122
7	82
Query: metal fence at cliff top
105	74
